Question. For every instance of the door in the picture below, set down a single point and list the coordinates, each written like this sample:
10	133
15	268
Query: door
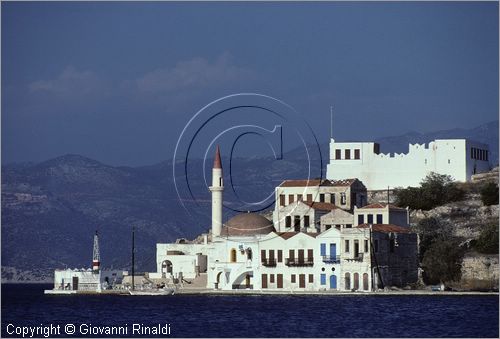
333	282
264	281
279	281
333	251
302	280
247	281
75	283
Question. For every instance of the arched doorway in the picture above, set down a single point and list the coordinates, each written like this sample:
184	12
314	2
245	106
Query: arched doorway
166	268
356	281
365	281
333	282
347	284
217	281
232	255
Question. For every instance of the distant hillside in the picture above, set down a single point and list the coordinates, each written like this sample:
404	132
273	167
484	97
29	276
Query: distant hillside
50	210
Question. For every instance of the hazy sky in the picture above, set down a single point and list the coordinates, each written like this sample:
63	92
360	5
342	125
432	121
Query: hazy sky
117	82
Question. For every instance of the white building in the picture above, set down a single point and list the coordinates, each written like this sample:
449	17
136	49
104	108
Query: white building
458	158
316	246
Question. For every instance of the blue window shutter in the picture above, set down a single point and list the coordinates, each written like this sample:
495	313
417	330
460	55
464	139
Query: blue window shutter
323	279
323	249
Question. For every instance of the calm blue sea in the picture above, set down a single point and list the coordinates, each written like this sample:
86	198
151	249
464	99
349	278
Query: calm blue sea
258	316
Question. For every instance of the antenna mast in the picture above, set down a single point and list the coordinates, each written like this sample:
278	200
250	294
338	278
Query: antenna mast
133	258
331	122
96	255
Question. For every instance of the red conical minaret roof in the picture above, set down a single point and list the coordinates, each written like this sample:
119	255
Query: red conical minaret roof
217	161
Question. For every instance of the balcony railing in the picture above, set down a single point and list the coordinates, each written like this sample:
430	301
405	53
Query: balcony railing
269	262
299	262
331	259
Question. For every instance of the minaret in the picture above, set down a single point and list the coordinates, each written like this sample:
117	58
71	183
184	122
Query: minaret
217	188
96	256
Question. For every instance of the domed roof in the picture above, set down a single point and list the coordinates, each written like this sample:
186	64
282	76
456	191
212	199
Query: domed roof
247	224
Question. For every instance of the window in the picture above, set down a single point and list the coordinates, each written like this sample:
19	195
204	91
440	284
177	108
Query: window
391	245
321	197
309	198
449	161
356	154
323	249
282	200
365	281
311	278
306	221
332	198
366	246
347	246
271	255
280	256
299	197
338	154
291	254
342	198
348	226
310	255
376	245
370	218
271	278
322	279
288	221
347	283
296	223
263	255
293	279
233	255
379	219
348	154
356	248
290	198
361	219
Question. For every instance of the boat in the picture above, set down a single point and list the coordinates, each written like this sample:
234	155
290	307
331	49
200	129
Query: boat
159	291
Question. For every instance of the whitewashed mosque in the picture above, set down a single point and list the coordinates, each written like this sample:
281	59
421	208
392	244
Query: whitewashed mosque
323	235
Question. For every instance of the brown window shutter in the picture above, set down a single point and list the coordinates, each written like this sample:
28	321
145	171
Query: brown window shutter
293	279
264	281
280	256
280	281
302	280
311	278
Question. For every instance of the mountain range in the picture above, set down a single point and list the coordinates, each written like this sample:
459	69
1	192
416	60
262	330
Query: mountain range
50	210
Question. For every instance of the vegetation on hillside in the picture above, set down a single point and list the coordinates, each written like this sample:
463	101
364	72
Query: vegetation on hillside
487	242
440	254
489	194
435	190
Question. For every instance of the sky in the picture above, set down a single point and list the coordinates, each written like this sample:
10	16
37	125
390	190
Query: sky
119	81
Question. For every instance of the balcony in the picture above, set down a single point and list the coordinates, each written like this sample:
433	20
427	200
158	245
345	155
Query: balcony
331	259
299	262
356	257
269	262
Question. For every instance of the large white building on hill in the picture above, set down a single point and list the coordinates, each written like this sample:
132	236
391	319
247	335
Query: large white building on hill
459	158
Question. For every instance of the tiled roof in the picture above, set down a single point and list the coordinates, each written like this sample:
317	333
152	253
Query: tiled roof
322	206
386	228
304	183
288	235
392	207
317	182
